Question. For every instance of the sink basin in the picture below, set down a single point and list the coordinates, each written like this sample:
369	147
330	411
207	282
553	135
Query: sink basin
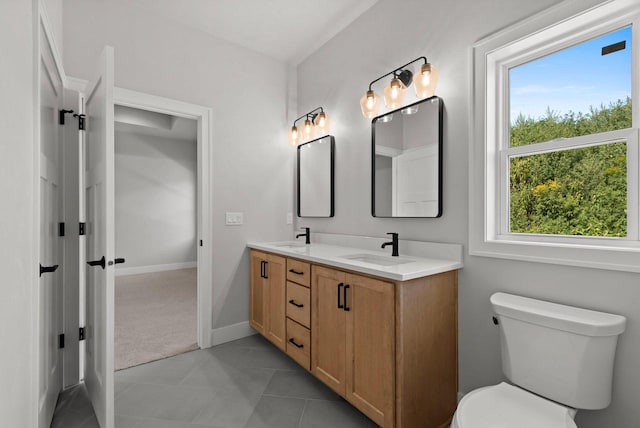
291	245
377	260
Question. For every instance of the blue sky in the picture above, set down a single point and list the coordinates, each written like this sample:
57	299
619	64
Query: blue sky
573	79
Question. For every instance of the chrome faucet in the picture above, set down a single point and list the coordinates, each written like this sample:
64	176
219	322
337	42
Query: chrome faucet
394	243
306	234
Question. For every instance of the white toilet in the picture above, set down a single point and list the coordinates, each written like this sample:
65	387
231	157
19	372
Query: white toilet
560	359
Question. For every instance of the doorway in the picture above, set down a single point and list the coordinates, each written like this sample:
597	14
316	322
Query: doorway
156	235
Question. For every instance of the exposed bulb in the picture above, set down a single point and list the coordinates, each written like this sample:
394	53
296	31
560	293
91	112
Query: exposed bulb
425	81
294	136
322	123
308	129
394	93
370	104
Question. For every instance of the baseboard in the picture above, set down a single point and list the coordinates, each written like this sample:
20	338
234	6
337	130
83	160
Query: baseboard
231	332
121	271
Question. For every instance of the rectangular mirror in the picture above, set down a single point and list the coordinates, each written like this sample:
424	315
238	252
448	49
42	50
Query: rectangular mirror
407	161
315	178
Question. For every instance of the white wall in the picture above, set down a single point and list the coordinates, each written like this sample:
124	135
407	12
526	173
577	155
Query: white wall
337	76
155	200
252	162
17	247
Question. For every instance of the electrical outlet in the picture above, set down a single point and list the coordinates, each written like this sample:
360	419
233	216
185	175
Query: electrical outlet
234	219
289	218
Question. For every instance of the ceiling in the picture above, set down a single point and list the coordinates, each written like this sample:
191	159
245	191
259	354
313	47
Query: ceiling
287	30
153	124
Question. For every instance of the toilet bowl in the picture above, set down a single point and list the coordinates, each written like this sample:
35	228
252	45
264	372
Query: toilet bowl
507	406
557	359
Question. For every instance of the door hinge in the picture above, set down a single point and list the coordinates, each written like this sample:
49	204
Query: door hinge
61	114
201	242
81	333
82	228
81	121
61	229
61	341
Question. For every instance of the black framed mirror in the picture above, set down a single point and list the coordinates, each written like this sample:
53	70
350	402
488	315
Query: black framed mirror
406	153
316	178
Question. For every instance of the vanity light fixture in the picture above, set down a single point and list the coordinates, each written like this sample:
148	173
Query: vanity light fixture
424	80
316	123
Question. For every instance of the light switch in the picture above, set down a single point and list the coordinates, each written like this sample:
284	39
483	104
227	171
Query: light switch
289	218
233	219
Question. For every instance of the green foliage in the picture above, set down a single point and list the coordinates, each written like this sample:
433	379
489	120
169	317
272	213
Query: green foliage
571	192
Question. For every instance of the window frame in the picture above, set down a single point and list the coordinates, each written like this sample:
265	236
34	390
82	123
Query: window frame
564	25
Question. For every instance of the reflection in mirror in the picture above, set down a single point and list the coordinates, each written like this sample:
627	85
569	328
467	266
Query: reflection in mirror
407	161
315	178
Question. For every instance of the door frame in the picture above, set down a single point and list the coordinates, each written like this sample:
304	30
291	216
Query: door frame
203	116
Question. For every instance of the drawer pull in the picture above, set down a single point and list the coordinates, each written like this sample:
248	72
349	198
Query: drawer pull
297	305
296	272
293	342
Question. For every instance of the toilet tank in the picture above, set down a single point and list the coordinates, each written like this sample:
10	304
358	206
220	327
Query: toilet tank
560	352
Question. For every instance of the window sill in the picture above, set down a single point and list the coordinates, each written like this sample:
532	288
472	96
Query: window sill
625	259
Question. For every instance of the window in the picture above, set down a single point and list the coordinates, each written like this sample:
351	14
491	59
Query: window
554	146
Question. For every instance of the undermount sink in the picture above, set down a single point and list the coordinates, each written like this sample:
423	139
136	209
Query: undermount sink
291	245
377	260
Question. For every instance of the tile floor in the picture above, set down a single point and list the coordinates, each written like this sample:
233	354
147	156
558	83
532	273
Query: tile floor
248	383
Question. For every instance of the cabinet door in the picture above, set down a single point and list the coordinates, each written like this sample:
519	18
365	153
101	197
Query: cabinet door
370	346
328	327
257	291
276	295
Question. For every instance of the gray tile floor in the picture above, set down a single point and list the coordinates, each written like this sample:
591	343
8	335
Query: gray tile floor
248	383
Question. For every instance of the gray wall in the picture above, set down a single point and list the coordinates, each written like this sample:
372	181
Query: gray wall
155	199
444	32
252	162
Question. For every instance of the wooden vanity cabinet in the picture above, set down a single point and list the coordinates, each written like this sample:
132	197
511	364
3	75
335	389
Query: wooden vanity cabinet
388	347
267	297
353	347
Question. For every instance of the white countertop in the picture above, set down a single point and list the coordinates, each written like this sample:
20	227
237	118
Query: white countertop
335	255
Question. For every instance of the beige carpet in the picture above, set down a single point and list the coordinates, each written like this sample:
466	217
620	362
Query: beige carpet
155	316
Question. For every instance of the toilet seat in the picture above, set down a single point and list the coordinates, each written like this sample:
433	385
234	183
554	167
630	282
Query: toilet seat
507	406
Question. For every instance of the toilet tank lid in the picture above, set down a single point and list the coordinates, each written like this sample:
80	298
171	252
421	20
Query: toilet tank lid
561	317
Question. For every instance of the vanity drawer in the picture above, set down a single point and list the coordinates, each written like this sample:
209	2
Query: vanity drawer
299	343
299	304
299	272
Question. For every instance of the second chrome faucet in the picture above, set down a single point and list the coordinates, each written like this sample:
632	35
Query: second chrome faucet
393	243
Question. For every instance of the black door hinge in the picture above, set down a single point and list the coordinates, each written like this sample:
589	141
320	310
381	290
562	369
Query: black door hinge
61	114
61	229
82	229
61	341
81	333
81	121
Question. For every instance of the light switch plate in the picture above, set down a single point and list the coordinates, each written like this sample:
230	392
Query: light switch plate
289	218
234	219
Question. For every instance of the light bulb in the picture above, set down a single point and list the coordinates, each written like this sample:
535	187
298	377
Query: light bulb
322	122
370	104
425	81
308	130
294	136
394	93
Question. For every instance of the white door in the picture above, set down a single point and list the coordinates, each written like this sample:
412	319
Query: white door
99	193
50	285
415	184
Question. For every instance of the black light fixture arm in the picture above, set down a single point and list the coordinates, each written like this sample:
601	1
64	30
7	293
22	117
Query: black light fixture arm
395	71
309	114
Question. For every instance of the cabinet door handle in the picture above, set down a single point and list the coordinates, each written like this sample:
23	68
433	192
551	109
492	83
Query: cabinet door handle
261	268
293	342
340	306
297	305
346	308
266	264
